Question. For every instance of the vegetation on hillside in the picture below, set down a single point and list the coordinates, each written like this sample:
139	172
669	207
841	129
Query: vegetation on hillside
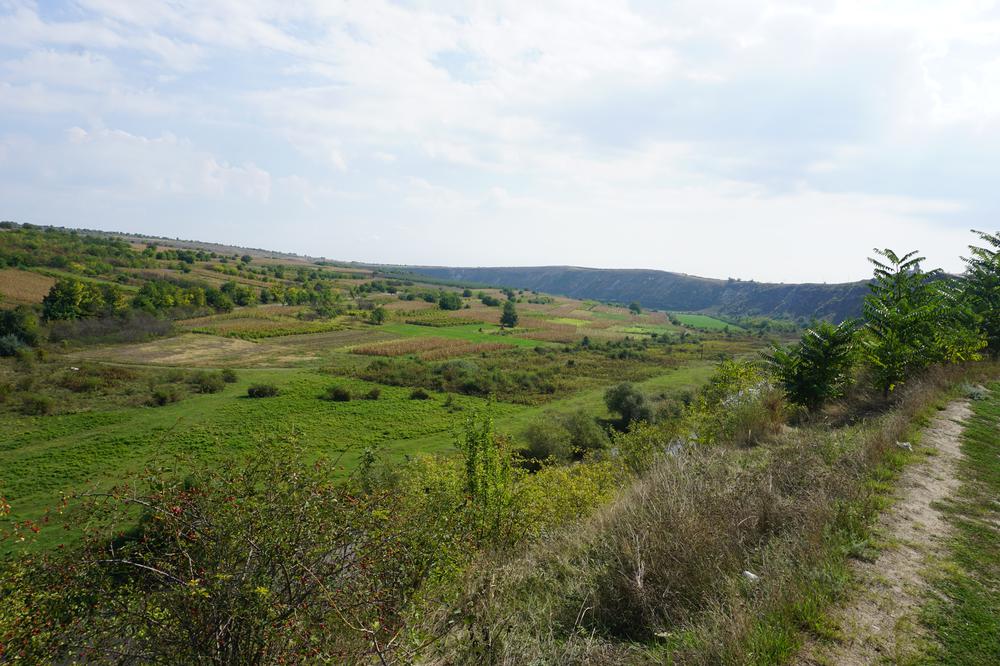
590	507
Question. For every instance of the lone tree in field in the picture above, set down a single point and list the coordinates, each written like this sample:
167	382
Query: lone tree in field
635	307
377	316
509	317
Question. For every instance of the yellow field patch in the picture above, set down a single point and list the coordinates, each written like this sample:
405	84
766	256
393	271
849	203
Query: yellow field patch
23	287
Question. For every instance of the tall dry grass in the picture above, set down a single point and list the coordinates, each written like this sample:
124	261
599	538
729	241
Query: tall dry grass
657	575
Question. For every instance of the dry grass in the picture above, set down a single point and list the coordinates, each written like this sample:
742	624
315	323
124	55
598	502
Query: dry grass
463	349
429	348
23	287
656	576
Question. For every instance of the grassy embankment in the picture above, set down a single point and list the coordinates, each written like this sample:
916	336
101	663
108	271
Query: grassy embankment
656	576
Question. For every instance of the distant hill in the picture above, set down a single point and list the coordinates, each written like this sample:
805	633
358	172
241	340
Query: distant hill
672	291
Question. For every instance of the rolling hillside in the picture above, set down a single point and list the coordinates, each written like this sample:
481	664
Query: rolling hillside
672	291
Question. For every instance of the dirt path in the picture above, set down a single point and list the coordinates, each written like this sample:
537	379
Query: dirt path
879	625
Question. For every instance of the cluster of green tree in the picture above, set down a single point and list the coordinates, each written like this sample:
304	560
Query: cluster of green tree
912	319
27	246
70	298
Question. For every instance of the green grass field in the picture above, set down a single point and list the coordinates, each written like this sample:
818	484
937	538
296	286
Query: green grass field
704	321
44	456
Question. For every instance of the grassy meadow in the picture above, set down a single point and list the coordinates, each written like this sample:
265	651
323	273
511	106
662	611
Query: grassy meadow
89	409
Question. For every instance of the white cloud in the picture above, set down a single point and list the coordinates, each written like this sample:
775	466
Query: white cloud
707	136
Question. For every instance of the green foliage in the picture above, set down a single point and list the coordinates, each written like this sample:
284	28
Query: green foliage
208	382
912	320
164	396
22	323
635	307
337	394
419	394
70	298
629	402
449	300
817	368
10	345
547	440
377	316
508	318
229	376
981	286
34	404
489	477
267	561
586	436
262	391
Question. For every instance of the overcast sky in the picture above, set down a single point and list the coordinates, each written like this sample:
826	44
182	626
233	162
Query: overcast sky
769	140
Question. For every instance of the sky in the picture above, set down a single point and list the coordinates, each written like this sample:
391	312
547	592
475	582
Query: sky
776	141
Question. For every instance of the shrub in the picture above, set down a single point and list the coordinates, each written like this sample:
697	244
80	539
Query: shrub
337	394
80	382
262	391
374	394
628	402
20	322
164	396
419	394
547	439
816	370
229	376
10	344
208	382
449	300
36	405
584	432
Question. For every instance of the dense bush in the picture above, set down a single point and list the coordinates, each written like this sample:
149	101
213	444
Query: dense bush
547	440
585	434
207	382
132	326
164	396
10	344
36	404
914	319
241	564
262	391
449	300
419	394
981	284
373	394
22	323
629	402
815	370
337	394
229	376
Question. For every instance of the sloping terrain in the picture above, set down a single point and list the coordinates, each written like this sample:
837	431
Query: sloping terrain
672	291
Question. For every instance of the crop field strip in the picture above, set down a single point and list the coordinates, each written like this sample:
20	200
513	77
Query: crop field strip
20	287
